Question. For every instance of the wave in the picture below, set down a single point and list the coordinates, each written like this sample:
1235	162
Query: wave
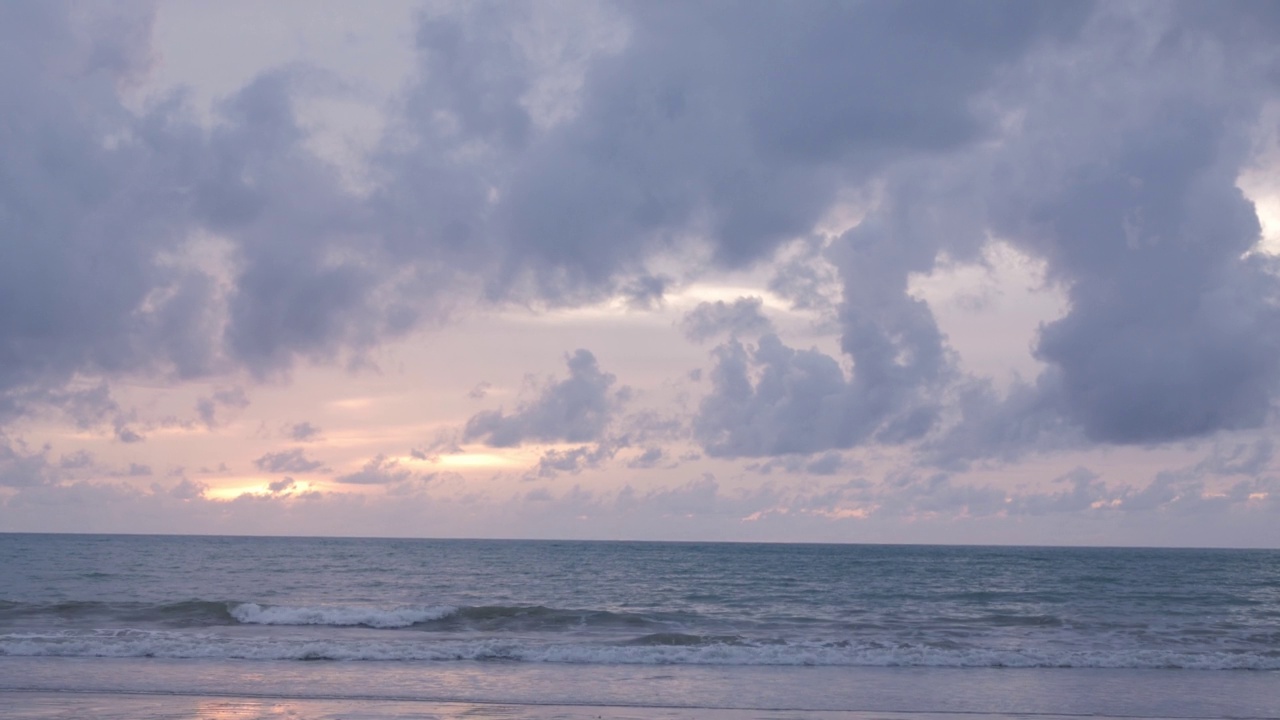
653	649
196	613
185	613
338	616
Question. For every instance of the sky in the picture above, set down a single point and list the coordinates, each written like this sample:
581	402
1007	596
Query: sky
911	272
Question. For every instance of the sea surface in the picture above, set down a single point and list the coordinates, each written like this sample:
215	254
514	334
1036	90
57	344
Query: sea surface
689	627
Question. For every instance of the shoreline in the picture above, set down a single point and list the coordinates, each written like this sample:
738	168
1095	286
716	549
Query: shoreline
150	705
58	688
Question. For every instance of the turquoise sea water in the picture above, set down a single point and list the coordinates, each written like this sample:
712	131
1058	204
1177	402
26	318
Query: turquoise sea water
787	627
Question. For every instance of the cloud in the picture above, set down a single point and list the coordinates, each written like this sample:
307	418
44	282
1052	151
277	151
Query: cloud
444	442
1005	427
577	409
806	278
803	402
647	459
187	489
828	463
302	432
22	467
281	485
538	495
288	461
749	151
147	244
646	292
1085	490
555	155
741	317
89	197
573	461
380	470
207	407
696	497
76	461
1131	199
127	435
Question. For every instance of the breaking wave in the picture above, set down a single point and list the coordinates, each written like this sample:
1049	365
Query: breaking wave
339	616
652	649
196	613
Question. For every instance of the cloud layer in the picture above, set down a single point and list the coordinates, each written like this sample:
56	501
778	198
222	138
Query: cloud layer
557	156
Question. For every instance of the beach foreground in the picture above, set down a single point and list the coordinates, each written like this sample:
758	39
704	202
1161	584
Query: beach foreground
57	706
163	689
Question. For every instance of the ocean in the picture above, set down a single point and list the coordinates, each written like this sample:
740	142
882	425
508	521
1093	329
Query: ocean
214	627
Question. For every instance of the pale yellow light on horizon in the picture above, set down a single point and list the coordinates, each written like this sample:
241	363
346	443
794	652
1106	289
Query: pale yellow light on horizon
707	292
356	403
476	460
469	460
230	488
676	303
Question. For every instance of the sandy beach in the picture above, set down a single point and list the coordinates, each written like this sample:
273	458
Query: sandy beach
64	706
156	689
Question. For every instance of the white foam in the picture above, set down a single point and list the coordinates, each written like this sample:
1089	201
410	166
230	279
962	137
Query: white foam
165	644
255	614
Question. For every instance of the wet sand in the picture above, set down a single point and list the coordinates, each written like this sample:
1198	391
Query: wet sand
159	689
22	705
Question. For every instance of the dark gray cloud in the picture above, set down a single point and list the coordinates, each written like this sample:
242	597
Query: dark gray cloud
1171	333
771	399
234	398
104	211
743	120
1083	489
22	467
576	409
553	461
806	279
742	317
127	435
646	292
1026	418
647	459
87	201
828	463
288	461
1131	199
1120	172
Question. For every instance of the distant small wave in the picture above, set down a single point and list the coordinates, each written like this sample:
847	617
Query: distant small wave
184	613
686	640
540	618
